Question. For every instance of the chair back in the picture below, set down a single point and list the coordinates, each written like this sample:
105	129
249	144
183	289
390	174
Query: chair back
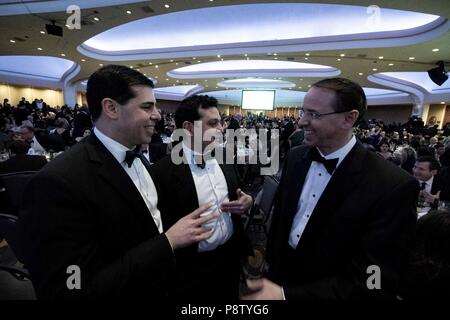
264	200
14	184
9	229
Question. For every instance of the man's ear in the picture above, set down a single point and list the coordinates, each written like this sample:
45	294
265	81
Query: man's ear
188	126
110	108
350	118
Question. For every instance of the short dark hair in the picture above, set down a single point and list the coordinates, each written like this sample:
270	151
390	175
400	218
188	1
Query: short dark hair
188	108
434	163
112	81
349	95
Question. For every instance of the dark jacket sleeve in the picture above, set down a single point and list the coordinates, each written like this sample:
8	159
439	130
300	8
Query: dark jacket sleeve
388	235
60	229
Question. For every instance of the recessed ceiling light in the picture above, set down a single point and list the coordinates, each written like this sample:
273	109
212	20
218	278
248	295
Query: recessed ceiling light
338	59
145	74
100	64
42	32
435	50
131	67
309	86
166	6
442	102
412	58
245	55
390	64
211	0
342	54
206	80
218	56
156	77
150	63
221	59
96	19
83	60
178	80
12	41
380	57
306	58
156	66
176	63
307	54
275	54
248	58
361	74
375	69
198	61
167	79
299	87
276	58
171	60
128	12
40	49
193	58
63	55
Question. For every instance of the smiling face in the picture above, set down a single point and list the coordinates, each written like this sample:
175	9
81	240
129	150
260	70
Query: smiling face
210	123
330	132
135	122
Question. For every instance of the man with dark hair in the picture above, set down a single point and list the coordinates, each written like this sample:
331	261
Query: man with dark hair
434	184
344	217
90	224
209	270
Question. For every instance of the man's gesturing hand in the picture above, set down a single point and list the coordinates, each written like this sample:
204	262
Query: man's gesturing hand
189	230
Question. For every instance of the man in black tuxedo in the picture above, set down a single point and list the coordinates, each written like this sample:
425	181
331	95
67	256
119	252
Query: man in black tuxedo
344	218
90	225
208	270
434	183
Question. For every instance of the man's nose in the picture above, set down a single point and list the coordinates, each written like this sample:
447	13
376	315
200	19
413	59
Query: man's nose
155	115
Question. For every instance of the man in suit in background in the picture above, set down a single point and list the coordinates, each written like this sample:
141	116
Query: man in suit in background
434	183
208	270
20	161
92	212
342	213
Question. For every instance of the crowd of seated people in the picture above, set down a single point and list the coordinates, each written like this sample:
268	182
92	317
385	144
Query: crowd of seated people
37	128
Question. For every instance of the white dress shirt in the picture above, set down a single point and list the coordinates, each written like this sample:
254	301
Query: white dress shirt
211	187
316	181
428	184
35	148
137	173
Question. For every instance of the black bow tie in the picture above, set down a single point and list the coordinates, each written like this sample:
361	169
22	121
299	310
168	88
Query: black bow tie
136	153
329	164
201	165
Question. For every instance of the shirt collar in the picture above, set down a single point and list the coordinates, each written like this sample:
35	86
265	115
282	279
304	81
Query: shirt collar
342	152
117	149
429	182
192	154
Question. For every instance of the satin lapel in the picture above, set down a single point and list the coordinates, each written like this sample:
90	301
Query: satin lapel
341	185
113	174
230	177
185	190
295	185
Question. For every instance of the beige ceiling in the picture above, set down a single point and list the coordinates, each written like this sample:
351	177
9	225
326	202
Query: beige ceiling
25	29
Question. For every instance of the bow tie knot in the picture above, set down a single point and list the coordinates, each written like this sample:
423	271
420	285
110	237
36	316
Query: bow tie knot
133	154
329	164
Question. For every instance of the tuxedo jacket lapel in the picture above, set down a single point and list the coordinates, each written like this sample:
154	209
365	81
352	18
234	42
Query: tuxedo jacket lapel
343	182
296	185
112	173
